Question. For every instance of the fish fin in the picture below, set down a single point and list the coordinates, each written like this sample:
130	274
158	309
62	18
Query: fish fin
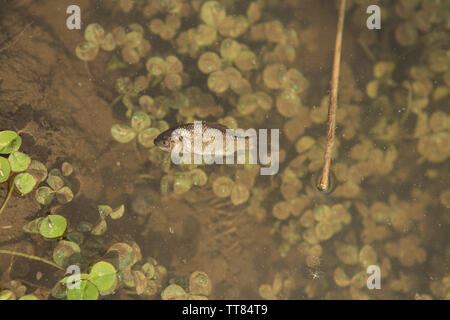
216	125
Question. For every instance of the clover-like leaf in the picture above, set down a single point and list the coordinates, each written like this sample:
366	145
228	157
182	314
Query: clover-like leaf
123	133
19	161
104	211
64	195
86	291
66	253
118	212
147	136
9	141
38	170
33	226
122	254
53	226
5	169
66	169
100	228
55	182
140	121
7	295
24	182
103	276
44	195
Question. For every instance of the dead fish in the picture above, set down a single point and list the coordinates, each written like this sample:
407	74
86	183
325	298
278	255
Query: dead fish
208	133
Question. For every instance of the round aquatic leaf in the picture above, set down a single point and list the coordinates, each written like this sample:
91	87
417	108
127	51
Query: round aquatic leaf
149	270
38	170
55	182
100	228
66	253
87	291
24	182
104	211
56	172
174	292
140	121
5	169
103	276
123	255
147	136
53	226
199	177
28	297
84	226
66	169
44	195
76	237
122	133
118	213
19	161
7	295
64	195
140	281
33	226
9	141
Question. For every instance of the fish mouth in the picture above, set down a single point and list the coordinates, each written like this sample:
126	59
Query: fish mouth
159	143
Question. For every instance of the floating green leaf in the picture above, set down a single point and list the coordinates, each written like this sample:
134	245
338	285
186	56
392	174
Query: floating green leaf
104	211
123	255
24	182
174	292
100	228
76	237
38	170
66	253
28	297
199	177
66	169
9	141
19	161
53	226
147	136
117	213
5	169
64	195
122	133
140	121
7	295
103	276
87	291
55	182
33	226
84	227
44	195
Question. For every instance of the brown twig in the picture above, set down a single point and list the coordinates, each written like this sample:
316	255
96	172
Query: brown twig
324	182
16	38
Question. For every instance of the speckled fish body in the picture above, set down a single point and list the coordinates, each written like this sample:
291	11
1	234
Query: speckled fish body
209	134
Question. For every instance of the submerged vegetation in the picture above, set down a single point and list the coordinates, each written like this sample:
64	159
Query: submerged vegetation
244	64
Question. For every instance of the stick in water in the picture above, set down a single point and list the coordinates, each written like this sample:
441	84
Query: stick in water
324	182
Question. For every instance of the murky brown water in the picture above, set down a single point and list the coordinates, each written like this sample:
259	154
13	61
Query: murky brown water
254	236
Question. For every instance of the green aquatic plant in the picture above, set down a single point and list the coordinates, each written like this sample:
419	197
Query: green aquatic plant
18	170
104	212
101	280
57	187
52	226
140	128
181	182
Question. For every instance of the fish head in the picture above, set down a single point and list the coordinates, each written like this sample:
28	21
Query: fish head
167	140
164	142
